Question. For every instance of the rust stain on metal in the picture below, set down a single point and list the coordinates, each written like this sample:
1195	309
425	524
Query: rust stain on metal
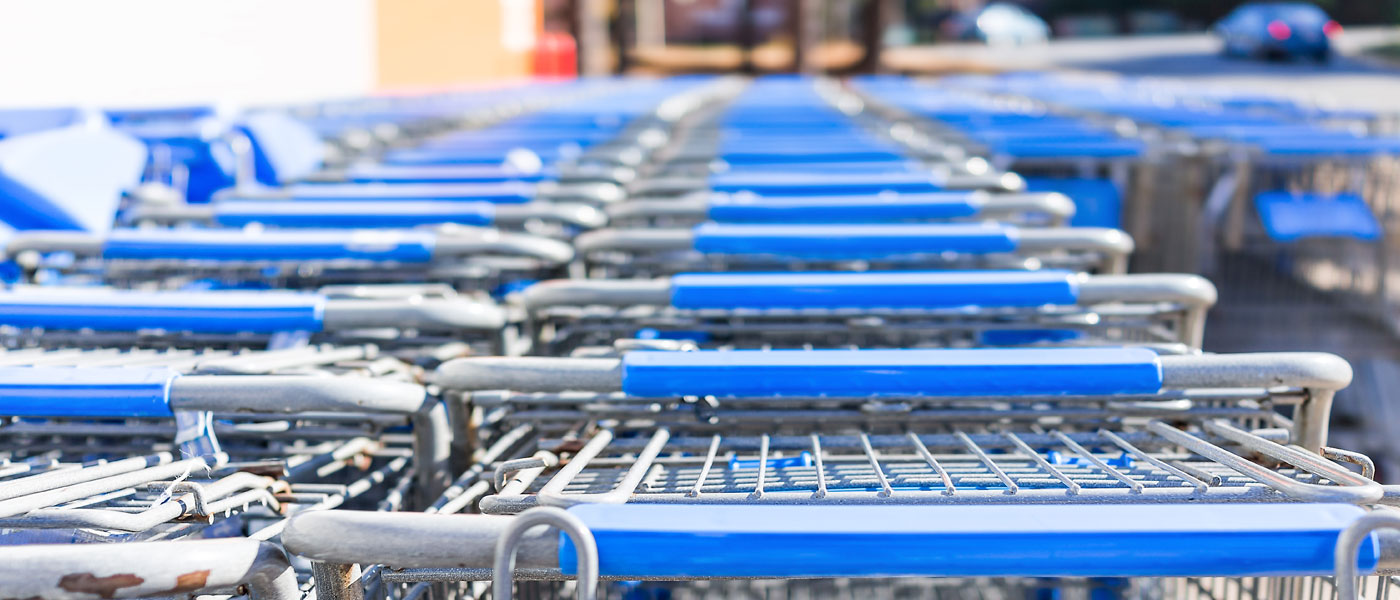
104	587
190	582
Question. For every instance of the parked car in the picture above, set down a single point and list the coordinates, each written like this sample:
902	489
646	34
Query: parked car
1277	30
998	24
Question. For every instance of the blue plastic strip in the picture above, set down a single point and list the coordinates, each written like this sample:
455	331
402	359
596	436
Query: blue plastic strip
85	392
338	215
806	183
1288	217
854	241
927	289
106	310
799	155
510	192
1101	540
272	245
746	208
1097	202
860	373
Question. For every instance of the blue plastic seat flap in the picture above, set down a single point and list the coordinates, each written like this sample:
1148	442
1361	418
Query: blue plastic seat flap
67	179
1288	217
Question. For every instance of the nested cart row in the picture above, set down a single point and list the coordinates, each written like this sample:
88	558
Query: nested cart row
705	337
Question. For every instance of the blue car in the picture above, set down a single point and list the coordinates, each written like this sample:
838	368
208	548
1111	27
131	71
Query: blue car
1278	30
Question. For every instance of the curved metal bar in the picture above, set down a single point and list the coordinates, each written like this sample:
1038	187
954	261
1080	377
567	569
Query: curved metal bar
645	240
1349	544
422	313
1055	205
552	494
410	540
502	581
461	240
1115	244
147	569
1348	489
578	215
296	394
1313	370
536	374
80	243
616	292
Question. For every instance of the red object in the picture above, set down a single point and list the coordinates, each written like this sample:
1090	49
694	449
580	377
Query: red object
1332	28
1279	30
556	55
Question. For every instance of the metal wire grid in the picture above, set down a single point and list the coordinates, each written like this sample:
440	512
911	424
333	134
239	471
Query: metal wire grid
326	358
97	480
183	349
446	584
161	497
558	330
1154	463
558	413
248	433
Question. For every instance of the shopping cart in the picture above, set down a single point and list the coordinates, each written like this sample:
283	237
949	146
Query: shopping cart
420	324
891	310
738	465
1312	213
193	459
718	247
461	256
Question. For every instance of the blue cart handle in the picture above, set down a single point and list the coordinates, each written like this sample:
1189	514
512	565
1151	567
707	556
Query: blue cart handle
120	310
930	289
234	245
372	215
910	289
869	242
508	192
815	373
1115	540
85	392
262	312
943	372
101	392
351	214
864	373
772	541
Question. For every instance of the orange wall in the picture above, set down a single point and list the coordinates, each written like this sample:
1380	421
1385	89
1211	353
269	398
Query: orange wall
429	43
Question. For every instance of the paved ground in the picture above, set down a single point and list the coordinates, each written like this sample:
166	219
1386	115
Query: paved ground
1346	81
